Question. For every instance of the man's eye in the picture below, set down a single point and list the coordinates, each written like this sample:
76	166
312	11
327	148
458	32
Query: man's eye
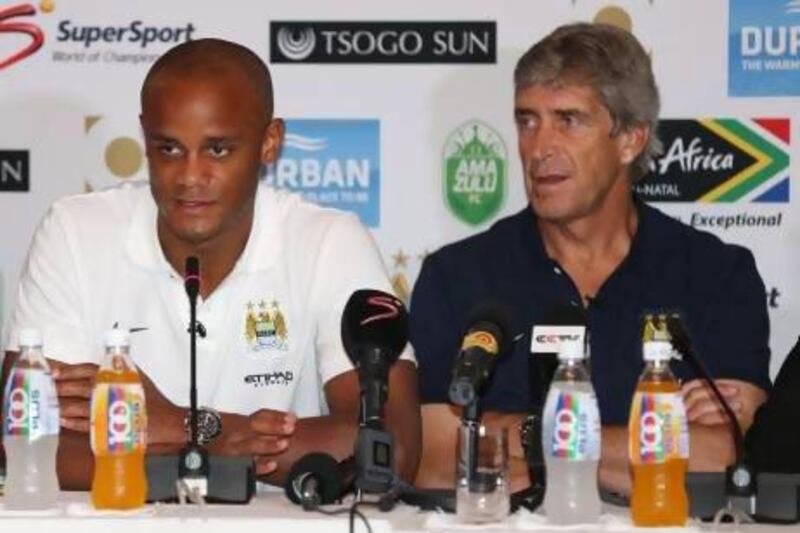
526	123
569	119
218	150
169	150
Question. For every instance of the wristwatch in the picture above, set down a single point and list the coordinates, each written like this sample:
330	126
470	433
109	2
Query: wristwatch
209	425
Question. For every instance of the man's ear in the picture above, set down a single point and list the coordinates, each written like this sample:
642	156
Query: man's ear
632	141
273	141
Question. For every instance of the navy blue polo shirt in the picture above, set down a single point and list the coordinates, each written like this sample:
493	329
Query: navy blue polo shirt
669	266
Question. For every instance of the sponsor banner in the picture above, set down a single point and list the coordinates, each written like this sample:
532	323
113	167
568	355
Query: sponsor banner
15	171
764	48
548	339
720	160
129	42
308	41
70	39
332	162
475	172
18	19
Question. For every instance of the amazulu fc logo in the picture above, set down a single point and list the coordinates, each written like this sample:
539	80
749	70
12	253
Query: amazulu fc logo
721	160
475	169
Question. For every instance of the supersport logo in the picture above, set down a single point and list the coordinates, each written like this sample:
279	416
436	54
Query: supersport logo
31	30
392	306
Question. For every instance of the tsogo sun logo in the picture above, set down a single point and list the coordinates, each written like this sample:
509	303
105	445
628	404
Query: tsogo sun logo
296	43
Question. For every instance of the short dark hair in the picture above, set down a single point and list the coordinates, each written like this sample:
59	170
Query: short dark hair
214	57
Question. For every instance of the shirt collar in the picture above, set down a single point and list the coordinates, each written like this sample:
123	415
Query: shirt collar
263	246
646	251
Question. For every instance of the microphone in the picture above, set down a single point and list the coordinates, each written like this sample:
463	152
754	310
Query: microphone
739	477
317	479
193	466
191	278
374	333
193	472
487	337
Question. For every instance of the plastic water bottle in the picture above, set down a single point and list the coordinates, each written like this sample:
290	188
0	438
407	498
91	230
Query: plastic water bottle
659	436
118	429
571	441
30	429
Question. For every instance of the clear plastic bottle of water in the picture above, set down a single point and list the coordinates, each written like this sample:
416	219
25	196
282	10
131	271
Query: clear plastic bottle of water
30	429
571	441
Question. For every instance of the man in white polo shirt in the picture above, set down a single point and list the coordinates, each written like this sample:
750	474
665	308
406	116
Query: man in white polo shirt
273	376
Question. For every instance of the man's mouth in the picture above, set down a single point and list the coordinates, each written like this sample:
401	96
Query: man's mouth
193	204
545	180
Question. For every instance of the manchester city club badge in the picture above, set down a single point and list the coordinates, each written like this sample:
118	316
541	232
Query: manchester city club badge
265	327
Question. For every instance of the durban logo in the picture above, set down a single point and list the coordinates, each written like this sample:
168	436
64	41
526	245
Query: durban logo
475	168
296	44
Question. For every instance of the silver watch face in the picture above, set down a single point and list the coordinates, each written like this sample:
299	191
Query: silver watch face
209	425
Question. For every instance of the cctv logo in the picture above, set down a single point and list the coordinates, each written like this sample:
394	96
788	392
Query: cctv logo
7	25
383	42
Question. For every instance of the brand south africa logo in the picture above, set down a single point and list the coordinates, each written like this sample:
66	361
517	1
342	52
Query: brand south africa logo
475	169
721	160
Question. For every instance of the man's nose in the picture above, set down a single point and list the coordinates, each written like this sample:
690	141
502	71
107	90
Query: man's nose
195	171
542	143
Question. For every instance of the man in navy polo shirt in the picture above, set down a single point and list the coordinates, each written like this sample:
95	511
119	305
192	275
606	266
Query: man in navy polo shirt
586	110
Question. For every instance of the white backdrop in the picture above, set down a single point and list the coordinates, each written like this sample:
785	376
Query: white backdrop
73	105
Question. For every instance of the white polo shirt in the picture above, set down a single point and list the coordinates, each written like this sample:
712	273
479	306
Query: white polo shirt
272	326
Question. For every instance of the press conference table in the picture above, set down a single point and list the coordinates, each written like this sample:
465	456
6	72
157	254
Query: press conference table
271	512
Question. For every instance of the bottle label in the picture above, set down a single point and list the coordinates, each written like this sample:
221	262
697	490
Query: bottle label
659	430
119	421
30	408
576	427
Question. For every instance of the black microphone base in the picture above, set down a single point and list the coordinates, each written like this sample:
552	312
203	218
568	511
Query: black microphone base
777	498
230	479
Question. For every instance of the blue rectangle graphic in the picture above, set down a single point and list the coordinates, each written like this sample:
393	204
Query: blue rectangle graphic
764	48
333	162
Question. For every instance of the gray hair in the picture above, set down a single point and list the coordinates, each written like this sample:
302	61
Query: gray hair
610	60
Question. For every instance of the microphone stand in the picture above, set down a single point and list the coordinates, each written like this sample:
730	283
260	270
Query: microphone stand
740	479
193	472
193	468
374	450
470	424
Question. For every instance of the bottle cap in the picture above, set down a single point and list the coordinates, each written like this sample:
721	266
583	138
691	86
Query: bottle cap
571	350
657	351
117	337
30	337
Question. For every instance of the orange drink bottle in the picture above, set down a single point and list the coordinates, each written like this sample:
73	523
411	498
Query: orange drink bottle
658	437
118	427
